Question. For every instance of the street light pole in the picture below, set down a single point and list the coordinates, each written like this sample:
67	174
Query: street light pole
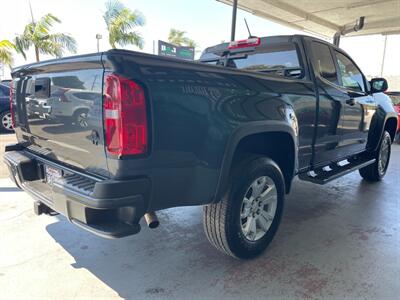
384	54
98	38
233	26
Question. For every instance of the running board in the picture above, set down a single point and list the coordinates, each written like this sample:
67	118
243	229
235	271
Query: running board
335	170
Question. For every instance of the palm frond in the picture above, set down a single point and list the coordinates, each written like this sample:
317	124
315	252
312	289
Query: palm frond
121	22
6	48
177	37
22	44
113	9
39	35
64	40
42	27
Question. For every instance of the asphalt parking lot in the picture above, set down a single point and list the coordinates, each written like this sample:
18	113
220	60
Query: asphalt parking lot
339	241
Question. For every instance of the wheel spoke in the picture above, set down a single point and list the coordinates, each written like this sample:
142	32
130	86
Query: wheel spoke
268	217
245	213
247	201
262	222
267	200
258	186
250	228
246	228
253	228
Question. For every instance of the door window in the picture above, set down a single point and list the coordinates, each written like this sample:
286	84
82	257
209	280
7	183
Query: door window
324	62
350	75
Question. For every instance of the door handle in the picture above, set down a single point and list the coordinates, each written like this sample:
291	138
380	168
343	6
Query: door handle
351	101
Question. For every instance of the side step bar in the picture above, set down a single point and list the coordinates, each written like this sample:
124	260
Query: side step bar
335	170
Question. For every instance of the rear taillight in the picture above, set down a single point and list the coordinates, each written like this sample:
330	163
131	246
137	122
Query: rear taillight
125	117
11	103
252	42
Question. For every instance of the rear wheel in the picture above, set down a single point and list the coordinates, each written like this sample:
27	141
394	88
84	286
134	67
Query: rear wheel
80	118
377	170
6	122
245	221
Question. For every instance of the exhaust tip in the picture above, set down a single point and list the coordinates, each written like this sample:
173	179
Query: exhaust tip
151	220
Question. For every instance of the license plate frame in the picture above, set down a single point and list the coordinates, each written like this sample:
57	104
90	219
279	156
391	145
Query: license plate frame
52	174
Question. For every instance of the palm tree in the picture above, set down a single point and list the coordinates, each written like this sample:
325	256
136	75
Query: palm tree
37	34
191	43
121	22
6	48
178	38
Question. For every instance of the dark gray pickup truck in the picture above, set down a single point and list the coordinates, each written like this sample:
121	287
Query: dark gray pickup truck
108	138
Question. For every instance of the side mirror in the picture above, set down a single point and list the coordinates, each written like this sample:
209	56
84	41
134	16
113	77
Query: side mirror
378	85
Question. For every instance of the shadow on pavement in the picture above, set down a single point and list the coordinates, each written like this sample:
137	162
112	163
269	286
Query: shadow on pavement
328	234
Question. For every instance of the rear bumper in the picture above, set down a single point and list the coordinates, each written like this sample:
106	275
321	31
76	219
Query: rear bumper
107	208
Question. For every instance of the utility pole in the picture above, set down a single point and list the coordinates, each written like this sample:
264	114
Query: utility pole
30	8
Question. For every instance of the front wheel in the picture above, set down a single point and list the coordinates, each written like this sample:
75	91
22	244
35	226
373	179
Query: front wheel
245	221
377	170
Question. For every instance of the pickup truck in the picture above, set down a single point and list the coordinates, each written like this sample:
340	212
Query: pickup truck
229	132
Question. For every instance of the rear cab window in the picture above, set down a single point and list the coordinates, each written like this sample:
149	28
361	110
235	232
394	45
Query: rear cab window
324	63
274	56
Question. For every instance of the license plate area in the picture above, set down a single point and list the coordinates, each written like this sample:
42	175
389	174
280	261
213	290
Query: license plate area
52	174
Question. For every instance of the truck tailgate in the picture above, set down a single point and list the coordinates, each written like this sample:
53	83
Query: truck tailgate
58	111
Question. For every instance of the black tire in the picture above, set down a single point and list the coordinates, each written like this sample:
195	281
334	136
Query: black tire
222	221
375	172
5	115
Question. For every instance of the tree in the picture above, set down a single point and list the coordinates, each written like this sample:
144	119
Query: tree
6	48
37	34
178	38
121	22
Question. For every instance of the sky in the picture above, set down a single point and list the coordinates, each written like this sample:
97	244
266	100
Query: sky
208	22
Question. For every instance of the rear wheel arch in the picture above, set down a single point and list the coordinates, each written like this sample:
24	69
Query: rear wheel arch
275	141
381	122
391	127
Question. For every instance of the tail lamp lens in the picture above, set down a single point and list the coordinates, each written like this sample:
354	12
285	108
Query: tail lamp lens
125	116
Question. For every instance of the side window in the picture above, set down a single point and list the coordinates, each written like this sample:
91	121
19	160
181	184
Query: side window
2	93
350	75
324	62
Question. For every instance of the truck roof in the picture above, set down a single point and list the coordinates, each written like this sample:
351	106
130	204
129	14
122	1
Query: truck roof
271	39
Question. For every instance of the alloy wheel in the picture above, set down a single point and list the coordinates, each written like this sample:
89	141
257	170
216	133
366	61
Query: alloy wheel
6	121
258	208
